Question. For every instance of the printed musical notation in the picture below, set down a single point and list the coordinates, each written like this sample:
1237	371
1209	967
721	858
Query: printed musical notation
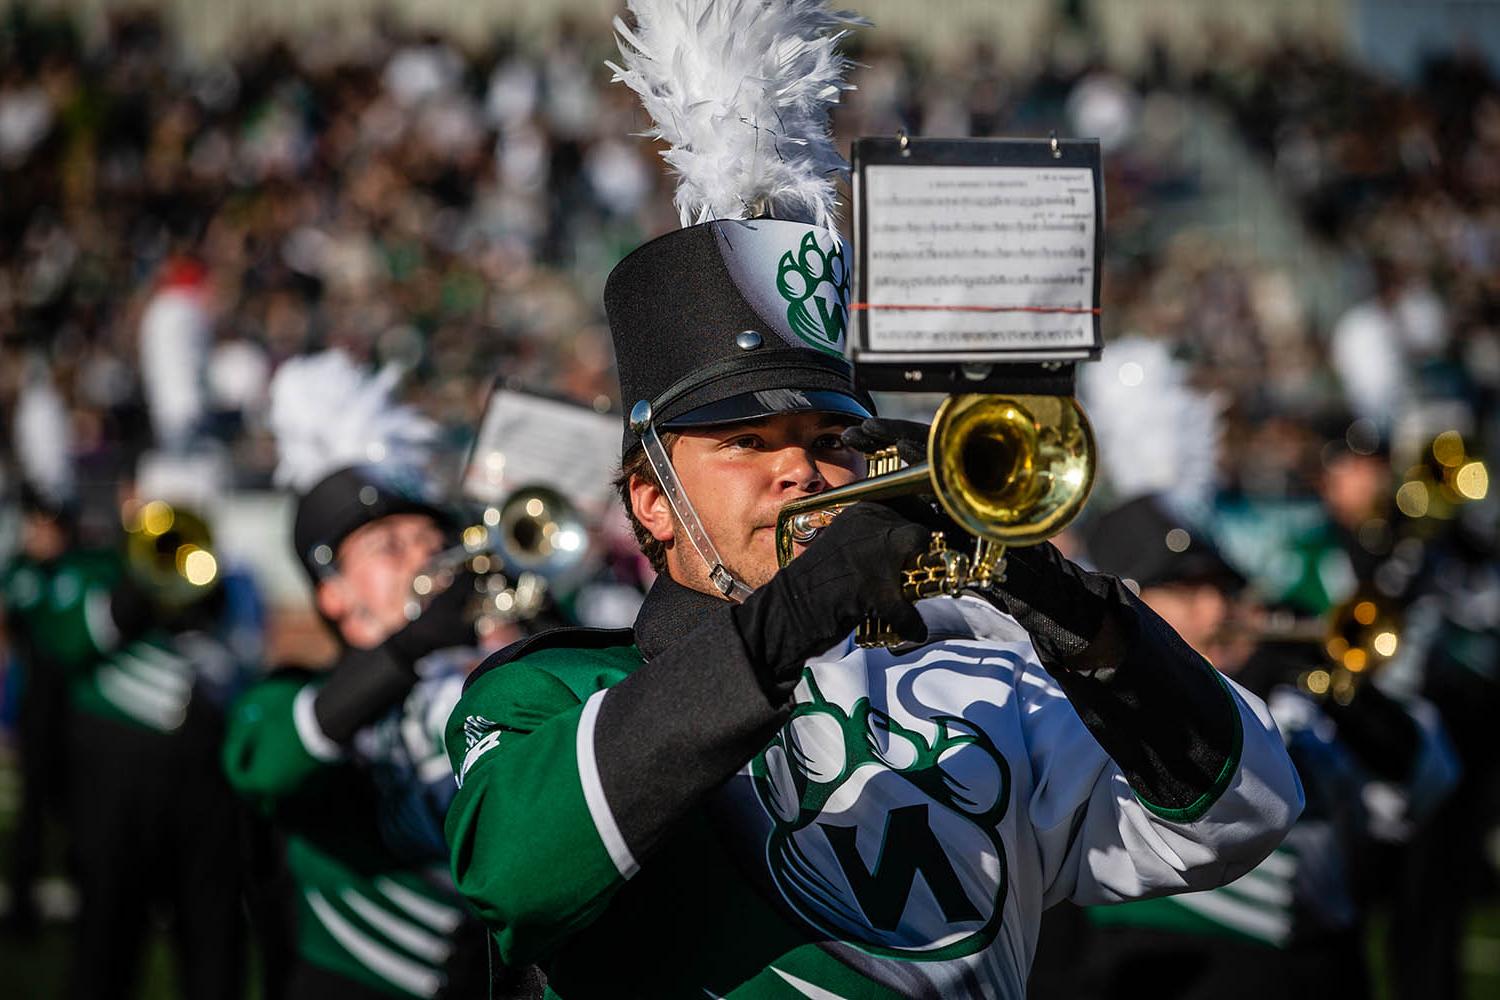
974	258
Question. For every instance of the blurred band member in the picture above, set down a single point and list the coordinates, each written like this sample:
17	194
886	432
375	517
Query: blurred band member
348	761
1293	926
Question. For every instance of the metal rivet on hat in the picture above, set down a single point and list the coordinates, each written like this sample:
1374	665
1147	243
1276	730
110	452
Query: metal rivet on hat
322	555
1178	540
640	416
747	340
368	495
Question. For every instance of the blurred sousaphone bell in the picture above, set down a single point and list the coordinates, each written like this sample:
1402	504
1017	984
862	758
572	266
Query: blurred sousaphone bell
170	551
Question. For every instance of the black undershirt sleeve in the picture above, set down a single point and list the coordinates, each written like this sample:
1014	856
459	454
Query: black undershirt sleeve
363	685
680	726
1161	712
1156	706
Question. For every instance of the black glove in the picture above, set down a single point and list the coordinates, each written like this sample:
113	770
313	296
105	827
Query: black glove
908	436
365	683
1072	615
850	571
443	623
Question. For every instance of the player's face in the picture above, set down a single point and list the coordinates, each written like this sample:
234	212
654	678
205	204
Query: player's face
376	564
739	476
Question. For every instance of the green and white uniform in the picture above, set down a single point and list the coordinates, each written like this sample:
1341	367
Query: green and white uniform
144	681
635	812
374	903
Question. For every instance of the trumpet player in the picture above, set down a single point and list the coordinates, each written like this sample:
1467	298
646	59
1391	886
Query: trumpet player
347	762
732	798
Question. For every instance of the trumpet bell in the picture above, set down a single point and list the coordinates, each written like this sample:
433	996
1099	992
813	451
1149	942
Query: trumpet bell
1012	469
542	532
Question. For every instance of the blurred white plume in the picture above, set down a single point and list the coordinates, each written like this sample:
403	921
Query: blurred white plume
741	90
328	414
44	435
1156	434
174	353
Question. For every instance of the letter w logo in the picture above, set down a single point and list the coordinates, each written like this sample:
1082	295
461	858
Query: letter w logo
907	847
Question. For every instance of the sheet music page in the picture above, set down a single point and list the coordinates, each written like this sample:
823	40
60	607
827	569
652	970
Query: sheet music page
976	258
526	440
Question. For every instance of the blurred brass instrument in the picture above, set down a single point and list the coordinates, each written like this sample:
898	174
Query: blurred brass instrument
1010	470
1363	634
1444	478
170	550
519	551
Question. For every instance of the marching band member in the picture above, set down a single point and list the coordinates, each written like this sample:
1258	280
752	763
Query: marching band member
731	798
348	761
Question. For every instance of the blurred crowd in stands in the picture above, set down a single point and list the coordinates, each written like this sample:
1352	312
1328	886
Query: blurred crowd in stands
455	205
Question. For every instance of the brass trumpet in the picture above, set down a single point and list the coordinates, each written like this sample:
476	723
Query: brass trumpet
1363	634
1010	470
520	550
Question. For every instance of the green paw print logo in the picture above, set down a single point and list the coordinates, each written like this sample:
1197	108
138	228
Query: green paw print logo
884	836
815	284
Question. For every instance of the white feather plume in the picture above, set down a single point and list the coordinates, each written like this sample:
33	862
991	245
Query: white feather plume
741	90
44	435
1156	434
174	354
328	414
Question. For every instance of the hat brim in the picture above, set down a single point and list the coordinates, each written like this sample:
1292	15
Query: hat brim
768	403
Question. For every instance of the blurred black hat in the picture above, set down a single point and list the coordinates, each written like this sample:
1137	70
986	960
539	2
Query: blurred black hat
1142	541
353	497
733	320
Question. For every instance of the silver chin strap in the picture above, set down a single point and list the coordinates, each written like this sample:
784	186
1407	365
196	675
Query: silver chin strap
661	464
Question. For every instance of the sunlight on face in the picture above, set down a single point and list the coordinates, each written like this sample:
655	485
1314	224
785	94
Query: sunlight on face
739	476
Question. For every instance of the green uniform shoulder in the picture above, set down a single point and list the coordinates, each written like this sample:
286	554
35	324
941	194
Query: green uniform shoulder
529	682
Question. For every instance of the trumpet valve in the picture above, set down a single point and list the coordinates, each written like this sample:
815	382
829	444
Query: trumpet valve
936	572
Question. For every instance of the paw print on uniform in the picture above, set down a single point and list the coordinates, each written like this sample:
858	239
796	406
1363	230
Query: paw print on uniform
884	836
815	284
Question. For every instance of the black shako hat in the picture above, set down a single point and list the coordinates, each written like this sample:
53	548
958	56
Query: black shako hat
733	320
352	497
1143	541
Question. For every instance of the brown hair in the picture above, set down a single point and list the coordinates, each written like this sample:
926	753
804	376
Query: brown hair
635	463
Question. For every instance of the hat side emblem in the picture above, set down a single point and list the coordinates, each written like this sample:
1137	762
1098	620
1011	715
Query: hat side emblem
815	284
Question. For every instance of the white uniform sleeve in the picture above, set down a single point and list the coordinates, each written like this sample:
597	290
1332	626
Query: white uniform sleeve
1099	843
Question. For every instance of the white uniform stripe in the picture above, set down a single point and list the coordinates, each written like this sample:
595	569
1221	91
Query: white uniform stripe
420	942
138	701
1279	863
314	740
151	673
806	988
1262	887
443	919
162	658
1264	924
593	791
100	620
398	971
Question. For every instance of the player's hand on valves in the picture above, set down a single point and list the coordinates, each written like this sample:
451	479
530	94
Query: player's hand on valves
1061	605
851	571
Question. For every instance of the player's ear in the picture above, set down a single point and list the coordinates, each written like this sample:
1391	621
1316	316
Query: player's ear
651	508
